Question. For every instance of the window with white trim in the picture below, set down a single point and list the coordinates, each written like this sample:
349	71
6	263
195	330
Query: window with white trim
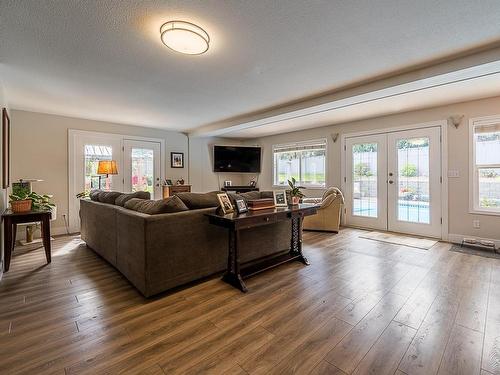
305	161
485	171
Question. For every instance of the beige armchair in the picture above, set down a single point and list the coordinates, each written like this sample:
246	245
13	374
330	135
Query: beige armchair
328	216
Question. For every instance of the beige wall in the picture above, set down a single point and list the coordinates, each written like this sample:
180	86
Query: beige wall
460	221
40	150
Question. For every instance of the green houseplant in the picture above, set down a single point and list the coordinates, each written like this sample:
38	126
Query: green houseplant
295	192
25	201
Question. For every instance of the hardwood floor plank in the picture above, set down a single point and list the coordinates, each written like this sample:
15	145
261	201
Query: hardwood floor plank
351	350
325	368
426	350
463	352
384	356
309	353
491	347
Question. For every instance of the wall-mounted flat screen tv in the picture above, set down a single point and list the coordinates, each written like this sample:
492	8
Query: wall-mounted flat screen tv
237	159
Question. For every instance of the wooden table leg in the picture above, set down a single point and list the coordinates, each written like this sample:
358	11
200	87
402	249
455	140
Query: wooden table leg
296	243
7	225
46	237
232	275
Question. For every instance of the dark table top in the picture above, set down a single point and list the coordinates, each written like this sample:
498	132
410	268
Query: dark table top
265	212
8	212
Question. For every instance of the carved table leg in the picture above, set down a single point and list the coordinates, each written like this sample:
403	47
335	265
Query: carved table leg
296	244
46	237
232	275
8	244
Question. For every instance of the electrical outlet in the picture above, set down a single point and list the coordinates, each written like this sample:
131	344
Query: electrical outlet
476	224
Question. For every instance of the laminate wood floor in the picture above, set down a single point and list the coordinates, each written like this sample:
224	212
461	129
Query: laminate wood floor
361	307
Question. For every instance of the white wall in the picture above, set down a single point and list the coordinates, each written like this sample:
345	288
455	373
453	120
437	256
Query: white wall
460	220
40	150
3	192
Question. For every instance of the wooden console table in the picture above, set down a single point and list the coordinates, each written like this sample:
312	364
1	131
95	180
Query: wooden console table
10	221
169	190
235	274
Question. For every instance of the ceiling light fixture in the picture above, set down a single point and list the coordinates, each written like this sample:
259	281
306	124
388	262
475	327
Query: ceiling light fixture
184	37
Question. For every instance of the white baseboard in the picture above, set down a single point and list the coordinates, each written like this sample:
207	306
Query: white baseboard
457	238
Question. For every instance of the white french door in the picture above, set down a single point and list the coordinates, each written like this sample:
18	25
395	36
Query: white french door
140	163
141	167
414	182
393	181
85	152
366	183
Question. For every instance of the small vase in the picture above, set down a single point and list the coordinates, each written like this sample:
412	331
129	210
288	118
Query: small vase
295	201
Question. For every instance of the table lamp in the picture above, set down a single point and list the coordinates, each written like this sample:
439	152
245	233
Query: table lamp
106	167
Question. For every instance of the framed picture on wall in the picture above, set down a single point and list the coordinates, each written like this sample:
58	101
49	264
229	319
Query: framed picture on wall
177	160
5	149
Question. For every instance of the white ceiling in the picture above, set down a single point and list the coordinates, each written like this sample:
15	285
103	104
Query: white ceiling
104	59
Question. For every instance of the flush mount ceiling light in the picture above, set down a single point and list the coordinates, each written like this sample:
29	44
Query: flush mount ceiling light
184	37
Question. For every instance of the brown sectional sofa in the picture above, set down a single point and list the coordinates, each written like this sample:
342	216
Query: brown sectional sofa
161	251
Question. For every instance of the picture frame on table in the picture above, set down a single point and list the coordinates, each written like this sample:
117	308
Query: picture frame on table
225	203
241	205
168	182
280	198
176	160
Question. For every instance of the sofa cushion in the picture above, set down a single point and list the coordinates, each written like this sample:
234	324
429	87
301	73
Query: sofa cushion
196	201
152	207
108	196
123	198
94	195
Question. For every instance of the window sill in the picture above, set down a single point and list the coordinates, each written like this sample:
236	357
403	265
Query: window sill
484	212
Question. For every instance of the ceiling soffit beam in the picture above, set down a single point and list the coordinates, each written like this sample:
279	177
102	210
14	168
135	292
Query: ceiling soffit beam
417	73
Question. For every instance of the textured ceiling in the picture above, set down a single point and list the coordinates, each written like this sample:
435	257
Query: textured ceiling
104	59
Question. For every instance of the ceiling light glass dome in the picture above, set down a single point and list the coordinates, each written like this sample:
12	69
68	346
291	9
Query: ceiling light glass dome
184	37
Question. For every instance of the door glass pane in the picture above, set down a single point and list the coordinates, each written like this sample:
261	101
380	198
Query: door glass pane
489	188
94	153
142	170
413	180
364	179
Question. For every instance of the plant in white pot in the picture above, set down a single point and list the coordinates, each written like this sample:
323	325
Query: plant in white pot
295	192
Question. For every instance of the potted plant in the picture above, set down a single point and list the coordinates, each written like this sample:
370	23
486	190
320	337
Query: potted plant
295	193
20	203
24	202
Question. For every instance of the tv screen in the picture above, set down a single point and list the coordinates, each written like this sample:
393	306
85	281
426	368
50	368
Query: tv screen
236	159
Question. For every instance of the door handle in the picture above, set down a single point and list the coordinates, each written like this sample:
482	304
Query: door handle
391	182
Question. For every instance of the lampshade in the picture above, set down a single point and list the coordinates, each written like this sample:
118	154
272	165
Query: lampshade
107	167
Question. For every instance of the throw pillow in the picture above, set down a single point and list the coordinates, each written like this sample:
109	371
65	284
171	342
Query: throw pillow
109	196
195	201
94	195
123	198
151	207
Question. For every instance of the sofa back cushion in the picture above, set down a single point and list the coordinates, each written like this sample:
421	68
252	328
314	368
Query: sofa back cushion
196	201
151	207
108	196
123	198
